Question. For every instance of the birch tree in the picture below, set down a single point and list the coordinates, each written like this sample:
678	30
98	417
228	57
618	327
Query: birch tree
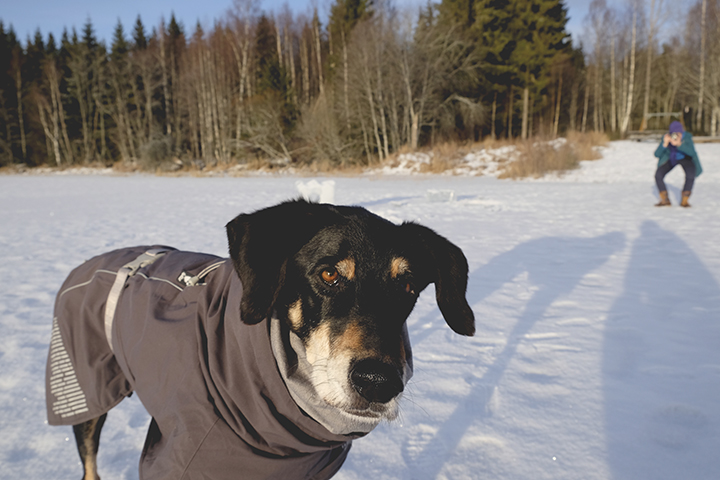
656	17
628	100
701	88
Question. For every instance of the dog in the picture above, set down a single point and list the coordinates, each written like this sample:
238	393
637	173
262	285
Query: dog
264	365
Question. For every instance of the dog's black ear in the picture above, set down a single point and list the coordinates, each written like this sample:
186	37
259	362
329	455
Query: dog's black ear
448	269
261	243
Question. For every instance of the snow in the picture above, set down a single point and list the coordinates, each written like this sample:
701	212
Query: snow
482	161
598	317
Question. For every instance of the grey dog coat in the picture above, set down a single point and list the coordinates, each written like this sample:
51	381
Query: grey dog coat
219	406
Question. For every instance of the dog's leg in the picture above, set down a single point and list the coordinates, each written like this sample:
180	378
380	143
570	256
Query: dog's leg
87	437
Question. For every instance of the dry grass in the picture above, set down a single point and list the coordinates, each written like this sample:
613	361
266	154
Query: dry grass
583	144
538	158
446	156
534	158
495	143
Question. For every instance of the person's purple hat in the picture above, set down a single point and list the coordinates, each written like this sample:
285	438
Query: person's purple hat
676	127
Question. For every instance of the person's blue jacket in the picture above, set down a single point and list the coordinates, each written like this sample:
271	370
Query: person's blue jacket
687	147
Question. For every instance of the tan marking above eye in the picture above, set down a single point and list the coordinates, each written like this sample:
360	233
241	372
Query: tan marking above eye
346	268
330	276
399	266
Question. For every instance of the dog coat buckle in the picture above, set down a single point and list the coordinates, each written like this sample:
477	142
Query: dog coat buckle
127	270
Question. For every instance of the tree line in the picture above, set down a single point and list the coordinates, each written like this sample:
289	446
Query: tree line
650	62
370	81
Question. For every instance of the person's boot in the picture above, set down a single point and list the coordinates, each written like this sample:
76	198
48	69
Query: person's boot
664	200
685	198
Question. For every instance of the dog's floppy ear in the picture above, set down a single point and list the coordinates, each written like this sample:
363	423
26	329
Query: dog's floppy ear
448	270
261	243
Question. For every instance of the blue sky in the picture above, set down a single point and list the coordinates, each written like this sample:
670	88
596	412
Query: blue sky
52	15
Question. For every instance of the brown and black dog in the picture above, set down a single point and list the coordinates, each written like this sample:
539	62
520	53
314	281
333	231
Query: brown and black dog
340	281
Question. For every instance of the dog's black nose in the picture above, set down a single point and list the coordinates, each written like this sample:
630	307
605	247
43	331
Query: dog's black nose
376	381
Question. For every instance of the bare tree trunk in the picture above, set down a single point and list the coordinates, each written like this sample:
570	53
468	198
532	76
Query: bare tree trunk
381	98
366	141
556	124
586	103
510	112
120	117
212	98
305	67
163	68
655	19
290	64
21	119
367	84
701	88
147	79
622	101
278	42
412	114
51	136
206	131
526	95
631	79
53	78
531	117
613	109
596	97
494	112
573	102
85	127
346	80
318	52
241	50
175	103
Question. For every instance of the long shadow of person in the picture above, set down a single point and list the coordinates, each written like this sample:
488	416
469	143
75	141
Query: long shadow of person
661	364
554	266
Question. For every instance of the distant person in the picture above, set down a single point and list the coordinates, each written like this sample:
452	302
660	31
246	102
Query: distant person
688	114
676	148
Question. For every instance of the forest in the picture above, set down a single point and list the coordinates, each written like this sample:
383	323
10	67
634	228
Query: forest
280	88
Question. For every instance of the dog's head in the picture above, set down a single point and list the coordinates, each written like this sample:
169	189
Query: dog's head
344	281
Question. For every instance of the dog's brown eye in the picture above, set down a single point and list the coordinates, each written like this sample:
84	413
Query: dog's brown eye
409	288
330	276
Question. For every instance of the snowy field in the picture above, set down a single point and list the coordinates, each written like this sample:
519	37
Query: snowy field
597	353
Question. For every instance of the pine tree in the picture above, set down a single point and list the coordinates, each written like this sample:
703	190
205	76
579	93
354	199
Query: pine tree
175	29
519	41
119	79
120	47
34	55
89	39
269	72
345	14
9	128
545	38
139	37
51	47
458	12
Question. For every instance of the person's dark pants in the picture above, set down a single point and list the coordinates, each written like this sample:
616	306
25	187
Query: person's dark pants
687	165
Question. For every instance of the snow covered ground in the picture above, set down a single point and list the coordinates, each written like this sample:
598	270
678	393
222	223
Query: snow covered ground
597	354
